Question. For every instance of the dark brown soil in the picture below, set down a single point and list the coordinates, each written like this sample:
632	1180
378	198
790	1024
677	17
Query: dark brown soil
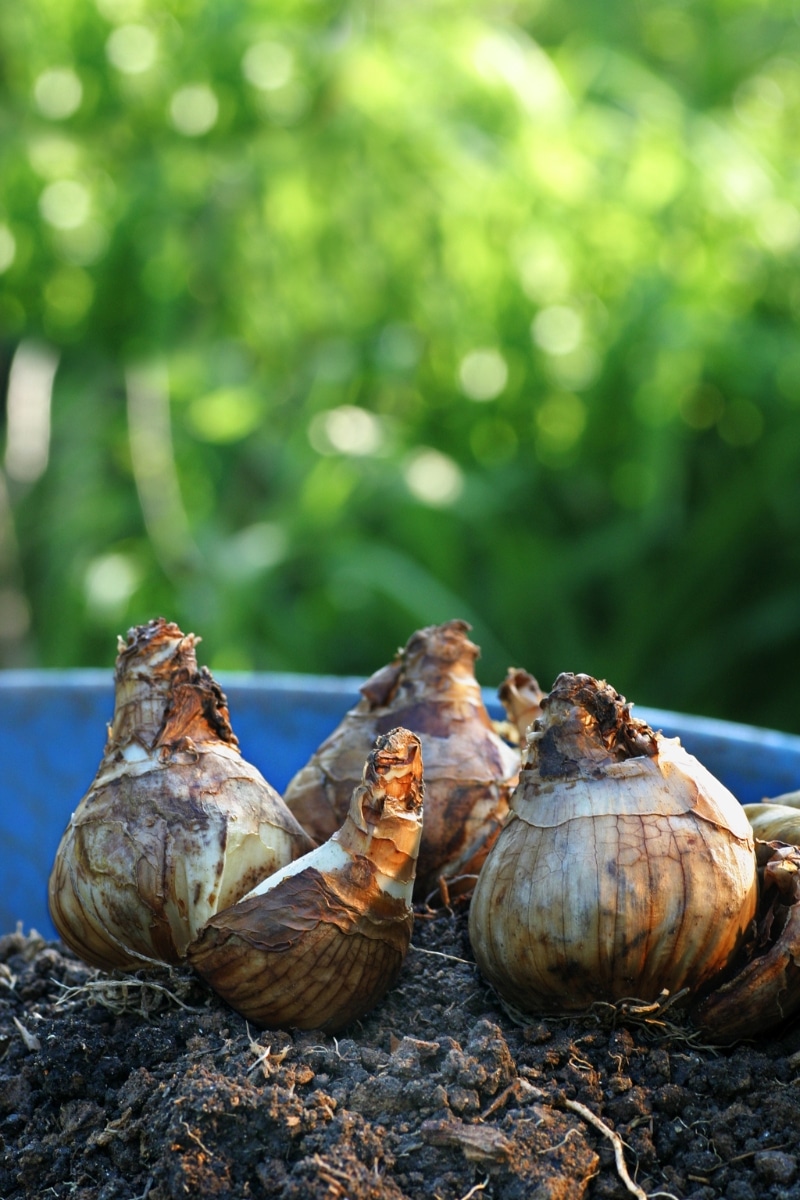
113	1089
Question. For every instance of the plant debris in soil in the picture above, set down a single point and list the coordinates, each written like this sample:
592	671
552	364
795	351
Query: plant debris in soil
148	1087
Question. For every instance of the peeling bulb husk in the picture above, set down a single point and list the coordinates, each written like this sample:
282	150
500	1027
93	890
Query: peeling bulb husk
765	992
319	943
429	688
176	823
624	869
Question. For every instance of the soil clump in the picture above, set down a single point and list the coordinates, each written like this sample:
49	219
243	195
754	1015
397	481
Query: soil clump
148	1087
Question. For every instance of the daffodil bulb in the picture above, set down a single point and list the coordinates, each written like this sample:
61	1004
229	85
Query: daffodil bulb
320	942
431	689
175	825
625	867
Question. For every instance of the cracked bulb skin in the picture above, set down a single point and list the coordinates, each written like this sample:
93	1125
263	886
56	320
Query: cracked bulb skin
431	689
625	867
176	824
320	943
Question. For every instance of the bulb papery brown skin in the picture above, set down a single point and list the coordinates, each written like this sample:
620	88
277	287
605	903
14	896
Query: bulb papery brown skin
319	943
431	689
624	869
176	823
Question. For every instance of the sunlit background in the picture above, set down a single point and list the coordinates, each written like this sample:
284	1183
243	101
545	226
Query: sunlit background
322	322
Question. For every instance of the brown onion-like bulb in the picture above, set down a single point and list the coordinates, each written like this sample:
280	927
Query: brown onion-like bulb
319	943
431	689
176	824
624	869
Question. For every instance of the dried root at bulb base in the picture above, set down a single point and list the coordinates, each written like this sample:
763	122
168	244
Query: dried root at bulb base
320	943
431	689
176	823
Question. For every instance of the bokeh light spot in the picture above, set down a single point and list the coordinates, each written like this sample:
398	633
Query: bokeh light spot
109	583
557	330
194	110
58	93
483	374
543	271
65	204
347	429
132	49
268	65
433	478
254	549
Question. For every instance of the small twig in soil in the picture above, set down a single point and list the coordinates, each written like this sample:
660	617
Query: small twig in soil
477	1142
330	1169
441	954
478	1187
330	1175
195	1138
519	1088
549	1149
616	1141
749	1154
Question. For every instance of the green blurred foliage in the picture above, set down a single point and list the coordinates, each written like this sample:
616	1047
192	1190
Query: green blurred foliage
371	315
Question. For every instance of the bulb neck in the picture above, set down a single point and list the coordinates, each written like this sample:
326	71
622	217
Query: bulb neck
521	697
161	697
585	723
384	821
437	664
